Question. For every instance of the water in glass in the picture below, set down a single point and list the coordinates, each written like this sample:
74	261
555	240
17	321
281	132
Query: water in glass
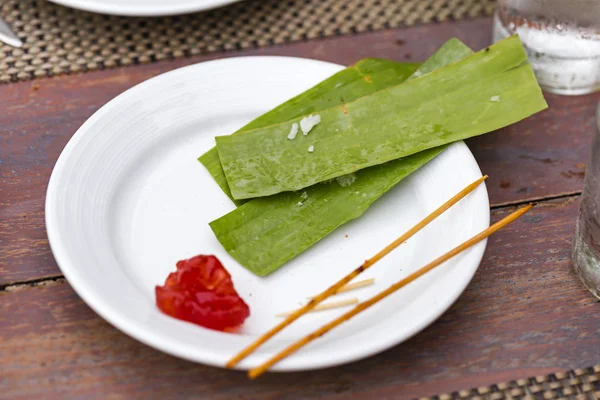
561	37
586	243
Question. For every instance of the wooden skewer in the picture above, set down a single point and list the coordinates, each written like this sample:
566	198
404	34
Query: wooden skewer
352	286
326	306
345	280
256	372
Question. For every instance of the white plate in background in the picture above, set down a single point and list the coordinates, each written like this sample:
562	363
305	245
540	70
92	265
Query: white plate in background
144	8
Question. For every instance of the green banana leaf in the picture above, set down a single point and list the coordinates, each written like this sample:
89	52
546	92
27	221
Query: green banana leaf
483	92
266	232
364	77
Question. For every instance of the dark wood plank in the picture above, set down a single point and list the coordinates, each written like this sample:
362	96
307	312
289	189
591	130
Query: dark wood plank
524	314
542	156
537	158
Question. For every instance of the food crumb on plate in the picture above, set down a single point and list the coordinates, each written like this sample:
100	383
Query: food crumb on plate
293	131
346	180
307	123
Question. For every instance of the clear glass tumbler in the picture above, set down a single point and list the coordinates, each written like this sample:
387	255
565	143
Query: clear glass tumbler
561	37
586	243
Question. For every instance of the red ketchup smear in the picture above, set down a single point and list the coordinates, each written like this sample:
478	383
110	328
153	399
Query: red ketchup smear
201	292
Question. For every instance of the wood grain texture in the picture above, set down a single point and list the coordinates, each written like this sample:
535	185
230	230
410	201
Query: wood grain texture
540	157
523	315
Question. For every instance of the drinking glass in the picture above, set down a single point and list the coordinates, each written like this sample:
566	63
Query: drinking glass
586	243
561	37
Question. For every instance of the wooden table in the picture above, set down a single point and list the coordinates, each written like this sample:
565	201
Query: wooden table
524	314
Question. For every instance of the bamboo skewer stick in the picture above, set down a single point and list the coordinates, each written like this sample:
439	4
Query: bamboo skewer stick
345	280
256	372
326	306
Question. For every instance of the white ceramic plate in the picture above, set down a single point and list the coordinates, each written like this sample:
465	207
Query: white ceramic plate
144	8
127	199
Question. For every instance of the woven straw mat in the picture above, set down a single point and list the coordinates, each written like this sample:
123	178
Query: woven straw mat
60	40
579	384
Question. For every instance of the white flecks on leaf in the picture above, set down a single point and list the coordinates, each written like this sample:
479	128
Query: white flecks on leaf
293	131
304	195
307	123
346	180
300	204
495	98
364	195
311	148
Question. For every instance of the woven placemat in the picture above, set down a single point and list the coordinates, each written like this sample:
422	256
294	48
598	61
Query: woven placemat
60	40
579	384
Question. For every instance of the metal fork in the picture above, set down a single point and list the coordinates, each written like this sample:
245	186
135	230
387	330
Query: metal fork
7	36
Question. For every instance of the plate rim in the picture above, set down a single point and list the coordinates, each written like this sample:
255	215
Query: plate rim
144	11
130	328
